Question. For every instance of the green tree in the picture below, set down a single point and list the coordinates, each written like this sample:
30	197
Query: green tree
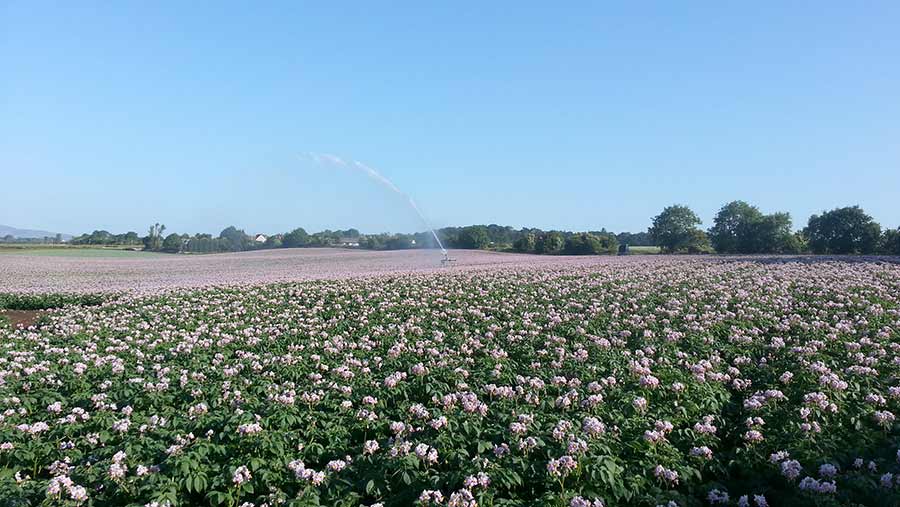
172	243
296	238
201	243
770	234
890	242
636	239
235	239
153	240
130	238
698	243
474	237
424	239
373	241
399	242
732	226
847	230
741	228
274	241
526	243
552	242
590	244
675	230
323	238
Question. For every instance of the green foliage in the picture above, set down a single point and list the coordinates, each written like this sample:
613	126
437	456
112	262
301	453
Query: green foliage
231	239
635	239
526	243
793	243
46	240
697	243
296	238
732	225
399	242
550	243
742	228
15	301
203	243
463	237
847	230
235	240
172	243
675	230
373	242
474	237
890	242
590	244
106	238
738	227
188	369
153	240
274	241
771	234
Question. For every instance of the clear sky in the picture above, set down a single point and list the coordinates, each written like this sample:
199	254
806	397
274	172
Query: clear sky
564	115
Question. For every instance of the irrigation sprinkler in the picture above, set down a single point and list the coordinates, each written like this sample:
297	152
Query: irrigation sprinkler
333	160
446	260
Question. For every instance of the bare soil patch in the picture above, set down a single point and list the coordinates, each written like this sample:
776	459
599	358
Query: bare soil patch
22	318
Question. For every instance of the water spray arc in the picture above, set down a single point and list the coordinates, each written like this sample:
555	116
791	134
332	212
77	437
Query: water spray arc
335	161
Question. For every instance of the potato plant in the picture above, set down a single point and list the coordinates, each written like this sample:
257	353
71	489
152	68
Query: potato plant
660	381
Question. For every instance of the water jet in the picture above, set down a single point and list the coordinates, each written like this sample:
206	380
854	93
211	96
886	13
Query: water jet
334	160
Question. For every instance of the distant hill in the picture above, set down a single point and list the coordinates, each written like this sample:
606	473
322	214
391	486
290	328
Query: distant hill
28	233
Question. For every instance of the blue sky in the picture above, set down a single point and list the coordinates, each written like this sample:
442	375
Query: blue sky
572	116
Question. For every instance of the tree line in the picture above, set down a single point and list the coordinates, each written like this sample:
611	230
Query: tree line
495	237
46	240
741	228
106	238
738	228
